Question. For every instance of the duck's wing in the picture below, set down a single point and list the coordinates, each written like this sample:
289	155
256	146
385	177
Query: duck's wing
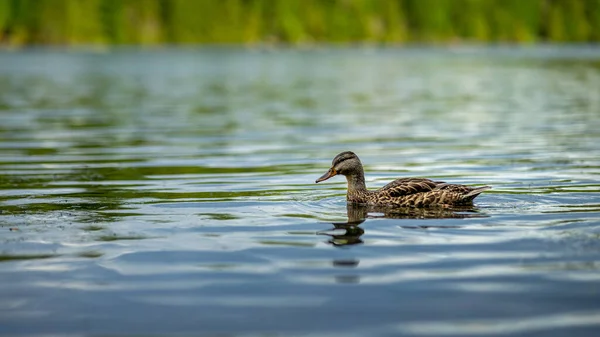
465	191
409	186
460	189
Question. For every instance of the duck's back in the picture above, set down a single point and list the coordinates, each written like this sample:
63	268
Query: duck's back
421	192
405	186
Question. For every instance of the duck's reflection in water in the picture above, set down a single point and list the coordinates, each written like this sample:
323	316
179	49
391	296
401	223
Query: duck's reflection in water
345	234
349	232
348	277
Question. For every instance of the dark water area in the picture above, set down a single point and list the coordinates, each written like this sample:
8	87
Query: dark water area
171	192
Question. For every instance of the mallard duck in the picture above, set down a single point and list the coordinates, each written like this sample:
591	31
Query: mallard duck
404	192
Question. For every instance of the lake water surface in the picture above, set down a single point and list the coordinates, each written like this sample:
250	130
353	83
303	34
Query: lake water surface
171	192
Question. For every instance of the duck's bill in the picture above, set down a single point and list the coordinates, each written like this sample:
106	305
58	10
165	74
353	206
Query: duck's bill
326	176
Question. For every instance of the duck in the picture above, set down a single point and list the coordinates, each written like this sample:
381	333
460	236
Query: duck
403	192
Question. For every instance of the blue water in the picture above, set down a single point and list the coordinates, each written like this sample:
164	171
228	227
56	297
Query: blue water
171	192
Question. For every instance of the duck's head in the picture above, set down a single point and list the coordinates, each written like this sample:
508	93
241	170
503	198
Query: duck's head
345	163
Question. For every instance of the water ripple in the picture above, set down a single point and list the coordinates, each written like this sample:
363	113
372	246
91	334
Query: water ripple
177	186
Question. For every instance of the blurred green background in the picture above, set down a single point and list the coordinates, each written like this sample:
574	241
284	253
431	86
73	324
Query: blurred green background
148	22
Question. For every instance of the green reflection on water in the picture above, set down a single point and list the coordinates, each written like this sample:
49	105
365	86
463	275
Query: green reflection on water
220	216
93	228
116	237
16	257
92	254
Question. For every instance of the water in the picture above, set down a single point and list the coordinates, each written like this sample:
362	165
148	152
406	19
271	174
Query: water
171	192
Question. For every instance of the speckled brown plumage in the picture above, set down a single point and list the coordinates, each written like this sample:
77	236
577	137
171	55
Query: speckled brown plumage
405	192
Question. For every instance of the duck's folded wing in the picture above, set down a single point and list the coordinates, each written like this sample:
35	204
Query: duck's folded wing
460	189
408	186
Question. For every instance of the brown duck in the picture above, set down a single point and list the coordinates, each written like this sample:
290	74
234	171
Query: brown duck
405	192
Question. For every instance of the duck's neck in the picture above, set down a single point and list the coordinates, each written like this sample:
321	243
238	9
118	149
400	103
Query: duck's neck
357	189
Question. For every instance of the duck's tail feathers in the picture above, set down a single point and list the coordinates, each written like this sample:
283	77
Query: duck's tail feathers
475	192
